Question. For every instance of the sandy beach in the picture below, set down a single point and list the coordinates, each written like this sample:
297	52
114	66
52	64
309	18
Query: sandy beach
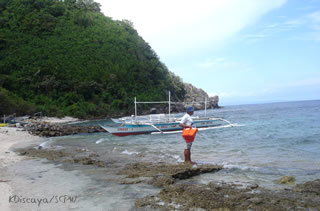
10	136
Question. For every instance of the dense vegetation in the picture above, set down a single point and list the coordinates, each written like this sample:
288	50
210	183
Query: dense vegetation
67	58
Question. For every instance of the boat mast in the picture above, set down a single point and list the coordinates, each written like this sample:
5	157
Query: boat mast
135	105
135	108
169	104
205	107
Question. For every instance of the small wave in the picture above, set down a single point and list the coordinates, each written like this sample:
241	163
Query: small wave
178	158
174	157
45	145
237	125
237	166
130	153
234	166
101	140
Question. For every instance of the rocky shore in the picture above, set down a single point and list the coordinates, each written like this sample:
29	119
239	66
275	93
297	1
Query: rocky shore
214	196
163	174
51	130
180	193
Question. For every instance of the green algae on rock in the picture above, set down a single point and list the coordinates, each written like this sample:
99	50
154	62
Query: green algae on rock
286	180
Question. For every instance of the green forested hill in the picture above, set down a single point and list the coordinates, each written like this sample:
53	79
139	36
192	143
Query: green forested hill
67	58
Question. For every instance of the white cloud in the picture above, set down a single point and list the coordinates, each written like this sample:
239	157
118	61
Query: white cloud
274	29
306	27
293	85
272	90
212	63
303	83
178	26
315	20
293	23
315	16
234	94
224	64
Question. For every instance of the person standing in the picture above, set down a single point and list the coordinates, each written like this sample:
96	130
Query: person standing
187	122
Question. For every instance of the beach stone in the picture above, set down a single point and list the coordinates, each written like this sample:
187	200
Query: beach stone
287	180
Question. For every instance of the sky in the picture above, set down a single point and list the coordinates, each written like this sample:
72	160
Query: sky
244	51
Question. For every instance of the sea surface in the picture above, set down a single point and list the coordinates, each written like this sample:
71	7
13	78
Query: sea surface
267	142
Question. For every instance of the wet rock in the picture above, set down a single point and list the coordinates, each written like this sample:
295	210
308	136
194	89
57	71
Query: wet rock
134	180
228	197
83	157
154	111
287	180
51	130
48	154
161	180
164	174
85	160
309	187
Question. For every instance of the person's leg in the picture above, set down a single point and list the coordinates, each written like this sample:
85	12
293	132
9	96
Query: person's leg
190	161
187	153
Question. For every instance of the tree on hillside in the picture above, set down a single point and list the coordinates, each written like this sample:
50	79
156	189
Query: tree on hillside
67	58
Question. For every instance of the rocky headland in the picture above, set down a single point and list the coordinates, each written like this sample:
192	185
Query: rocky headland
195	97
198	96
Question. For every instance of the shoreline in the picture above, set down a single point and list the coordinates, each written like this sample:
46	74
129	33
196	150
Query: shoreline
9	137
170	182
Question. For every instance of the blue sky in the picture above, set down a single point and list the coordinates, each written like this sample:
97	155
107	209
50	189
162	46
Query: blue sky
244	51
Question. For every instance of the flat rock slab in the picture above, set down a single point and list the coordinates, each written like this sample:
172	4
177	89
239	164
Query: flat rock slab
164	174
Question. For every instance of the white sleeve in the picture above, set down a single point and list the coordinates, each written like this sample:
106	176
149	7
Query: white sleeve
184	119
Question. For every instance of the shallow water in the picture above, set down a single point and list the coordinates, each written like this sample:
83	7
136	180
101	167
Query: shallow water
269	141
89	187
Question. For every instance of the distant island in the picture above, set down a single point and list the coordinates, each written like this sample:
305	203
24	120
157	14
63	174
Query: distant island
67	58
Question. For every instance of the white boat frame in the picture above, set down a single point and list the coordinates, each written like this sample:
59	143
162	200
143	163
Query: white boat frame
133	126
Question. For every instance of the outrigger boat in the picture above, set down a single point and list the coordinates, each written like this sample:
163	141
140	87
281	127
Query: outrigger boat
162	123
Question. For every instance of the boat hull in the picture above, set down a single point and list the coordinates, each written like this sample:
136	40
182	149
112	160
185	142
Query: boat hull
138	129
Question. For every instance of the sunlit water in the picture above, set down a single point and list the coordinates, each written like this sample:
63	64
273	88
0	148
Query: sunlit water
269	141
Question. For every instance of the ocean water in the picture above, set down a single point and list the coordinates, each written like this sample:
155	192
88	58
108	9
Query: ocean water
267	142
